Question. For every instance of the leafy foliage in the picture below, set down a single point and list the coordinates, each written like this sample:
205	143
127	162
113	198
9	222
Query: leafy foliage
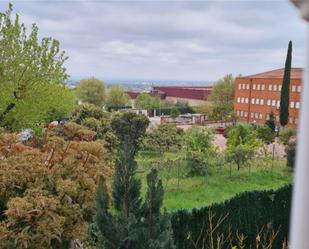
31	75
290	150
174	112
147	102
98	121
164	137
47	195
286	135
91	91
222	98
199	151
265	134
285	91
242	144
117	98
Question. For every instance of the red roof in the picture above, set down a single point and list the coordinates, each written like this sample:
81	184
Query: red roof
186	92
296	73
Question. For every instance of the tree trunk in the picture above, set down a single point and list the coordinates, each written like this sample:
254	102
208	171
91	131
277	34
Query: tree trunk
6	111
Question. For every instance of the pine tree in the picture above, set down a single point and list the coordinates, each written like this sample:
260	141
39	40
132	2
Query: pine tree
271	121
131	224
285	91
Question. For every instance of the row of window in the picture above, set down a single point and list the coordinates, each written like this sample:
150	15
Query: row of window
270	102
257	115
261	87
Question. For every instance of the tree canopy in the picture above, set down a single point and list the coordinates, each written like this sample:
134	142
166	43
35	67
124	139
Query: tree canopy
147	102
117	97
91	91
32	74
222	98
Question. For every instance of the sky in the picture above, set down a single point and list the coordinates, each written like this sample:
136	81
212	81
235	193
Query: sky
168	40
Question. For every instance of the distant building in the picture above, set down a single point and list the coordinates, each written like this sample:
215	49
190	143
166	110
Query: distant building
256	96
192	95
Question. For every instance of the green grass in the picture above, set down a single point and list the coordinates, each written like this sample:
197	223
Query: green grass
194	192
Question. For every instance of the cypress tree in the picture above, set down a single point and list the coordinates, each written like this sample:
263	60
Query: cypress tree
285	90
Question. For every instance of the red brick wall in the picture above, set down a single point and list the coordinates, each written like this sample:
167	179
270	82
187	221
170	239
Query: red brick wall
245	110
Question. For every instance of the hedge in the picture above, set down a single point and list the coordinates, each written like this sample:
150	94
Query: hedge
247	214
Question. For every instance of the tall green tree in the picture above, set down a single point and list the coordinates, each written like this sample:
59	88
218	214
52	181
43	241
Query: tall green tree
31	76
131	224
117	98
147	102
222	98
91	91
285	90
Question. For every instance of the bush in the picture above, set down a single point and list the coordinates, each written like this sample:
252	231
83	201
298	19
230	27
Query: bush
290	150
286	134
265	134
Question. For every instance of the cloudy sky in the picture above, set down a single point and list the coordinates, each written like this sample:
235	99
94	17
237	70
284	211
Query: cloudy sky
168	40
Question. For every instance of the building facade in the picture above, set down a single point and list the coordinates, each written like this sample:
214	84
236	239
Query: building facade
256	96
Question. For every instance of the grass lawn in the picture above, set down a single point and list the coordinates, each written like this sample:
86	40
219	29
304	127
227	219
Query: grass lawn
183	192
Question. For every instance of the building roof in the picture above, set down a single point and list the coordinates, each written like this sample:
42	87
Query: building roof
186	92
296	73
133	95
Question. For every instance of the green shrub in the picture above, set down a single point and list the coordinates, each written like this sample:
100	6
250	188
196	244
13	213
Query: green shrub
290	150
286	134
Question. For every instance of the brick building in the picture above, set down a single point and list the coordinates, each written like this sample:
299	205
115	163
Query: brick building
256	96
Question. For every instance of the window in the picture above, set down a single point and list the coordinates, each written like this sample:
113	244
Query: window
267	116
257	101
263	87
297	105
238	100
239	87
299	89
254	86
273	102
291	120
292	104
268	102
244	86
256	115
277	118
246	114
279	88
293	88
275	88
262	102
261	116
242	100
270	87
278	104
251	114
296	121
253	101
258	87
241	113
247	100
248	86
